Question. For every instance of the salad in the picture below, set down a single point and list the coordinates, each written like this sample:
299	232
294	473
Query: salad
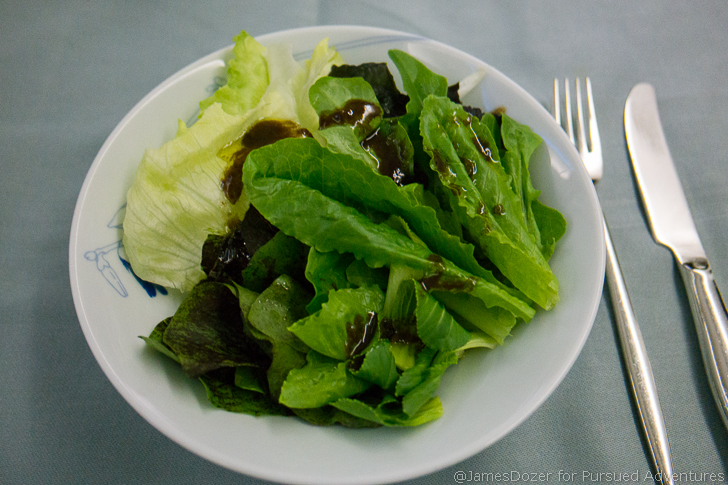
340	243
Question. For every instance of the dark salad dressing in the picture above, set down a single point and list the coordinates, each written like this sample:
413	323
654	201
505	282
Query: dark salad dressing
400	331
262	133
388	153
355	112
360	333
435	280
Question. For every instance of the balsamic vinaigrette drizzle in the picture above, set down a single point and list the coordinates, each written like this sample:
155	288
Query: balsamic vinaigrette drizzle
359	114
360	333
355	112
262	133
388	153
435	281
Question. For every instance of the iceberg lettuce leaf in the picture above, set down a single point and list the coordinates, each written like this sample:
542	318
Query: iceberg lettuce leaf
177	197
247	78
175	202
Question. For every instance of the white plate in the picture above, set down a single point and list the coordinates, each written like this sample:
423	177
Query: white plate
484	397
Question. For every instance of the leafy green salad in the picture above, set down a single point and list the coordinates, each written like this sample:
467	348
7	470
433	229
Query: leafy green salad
339	243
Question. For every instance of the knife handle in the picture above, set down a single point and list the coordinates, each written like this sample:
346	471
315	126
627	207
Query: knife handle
638	366
711	324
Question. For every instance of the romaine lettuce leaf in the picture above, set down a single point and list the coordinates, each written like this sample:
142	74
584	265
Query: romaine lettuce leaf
483	198
326	271
321	381
332	331
418	81
359	274
378	366
418	396
435	326
298	185
352	103
388	412
377	74
348	101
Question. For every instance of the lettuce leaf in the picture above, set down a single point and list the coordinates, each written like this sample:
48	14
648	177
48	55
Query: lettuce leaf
302	188
435	326
321	381
206	332
389	412
378	366
224	394
484	199
332	331
247	78
177	199
326	271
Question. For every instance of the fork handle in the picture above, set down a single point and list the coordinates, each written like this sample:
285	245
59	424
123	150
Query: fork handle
638	366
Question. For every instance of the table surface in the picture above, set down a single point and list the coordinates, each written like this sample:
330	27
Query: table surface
71	70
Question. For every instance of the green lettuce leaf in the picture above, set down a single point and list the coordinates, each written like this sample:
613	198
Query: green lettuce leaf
359	274
285	182
419	395
378	366
326	271
276	308
388	412
416	374
329	416
378	75
495	322
224	394
337	329
435	326
349	102
484	198
321	381
418	81
282	255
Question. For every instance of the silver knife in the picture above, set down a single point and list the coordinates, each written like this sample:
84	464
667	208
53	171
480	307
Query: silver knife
672	225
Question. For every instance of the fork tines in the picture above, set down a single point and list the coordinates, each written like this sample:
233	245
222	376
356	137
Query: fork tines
589	148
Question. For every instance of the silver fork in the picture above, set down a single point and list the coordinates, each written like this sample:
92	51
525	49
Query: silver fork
634	353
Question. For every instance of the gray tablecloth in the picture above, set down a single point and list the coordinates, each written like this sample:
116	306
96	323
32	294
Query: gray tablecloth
69	71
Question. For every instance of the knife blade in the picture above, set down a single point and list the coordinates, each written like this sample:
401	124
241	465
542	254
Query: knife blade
671	225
